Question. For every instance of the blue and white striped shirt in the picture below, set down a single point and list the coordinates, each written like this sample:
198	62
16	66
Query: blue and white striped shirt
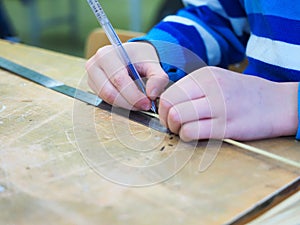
223	32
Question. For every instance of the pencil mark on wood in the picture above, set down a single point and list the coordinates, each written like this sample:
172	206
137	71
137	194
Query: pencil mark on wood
162	148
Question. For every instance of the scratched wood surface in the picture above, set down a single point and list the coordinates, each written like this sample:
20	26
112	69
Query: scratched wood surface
64	162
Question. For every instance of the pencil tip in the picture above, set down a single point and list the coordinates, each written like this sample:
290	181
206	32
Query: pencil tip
153	108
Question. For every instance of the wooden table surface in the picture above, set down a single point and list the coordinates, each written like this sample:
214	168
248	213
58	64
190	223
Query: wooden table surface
65	162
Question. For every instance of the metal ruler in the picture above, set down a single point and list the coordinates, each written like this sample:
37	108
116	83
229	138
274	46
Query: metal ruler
89	98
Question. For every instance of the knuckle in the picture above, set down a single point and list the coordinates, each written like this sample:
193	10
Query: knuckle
163	102
130	47
185	134
101	52
88	64
174	116
211	68
118	80
107	96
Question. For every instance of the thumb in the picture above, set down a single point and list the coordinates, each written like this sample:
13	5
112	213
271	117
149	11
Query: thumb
157	81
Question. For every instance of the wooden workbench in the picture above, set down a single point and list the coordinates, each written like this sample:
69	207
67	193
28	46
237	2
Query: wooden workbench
65	162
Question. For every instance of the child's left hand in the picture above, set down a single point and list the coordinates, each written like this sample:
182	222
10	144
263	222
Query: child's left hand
218	103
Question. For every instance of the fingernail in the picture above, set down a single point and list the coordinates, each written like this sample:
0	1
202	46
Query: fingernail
154	93
146	106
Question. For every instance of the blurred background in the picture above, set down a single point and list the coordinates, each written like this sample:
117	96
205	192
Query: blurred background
64	25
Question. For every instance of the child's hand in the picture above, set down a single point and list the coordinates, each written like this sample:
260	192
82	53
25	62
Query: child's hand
108	77
217	103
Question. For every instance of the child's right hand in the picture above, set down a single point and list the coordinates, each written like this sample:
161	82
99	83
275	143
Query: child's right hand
109	79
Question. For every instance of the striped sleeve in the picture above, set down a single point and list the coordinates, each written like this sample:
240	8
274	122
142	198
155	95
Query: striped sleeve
215	30
274	46
298	130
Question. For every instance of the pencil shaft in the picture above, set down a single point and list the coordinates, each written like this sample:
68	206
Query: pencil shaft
116	42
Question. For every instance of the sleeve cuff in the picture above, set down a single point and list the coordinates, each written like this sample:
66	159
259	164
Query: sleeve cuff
298	131
170	53
176	60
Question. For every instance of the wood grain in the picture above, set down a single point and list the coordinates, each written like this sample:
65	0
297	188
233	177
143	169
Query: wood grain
64	162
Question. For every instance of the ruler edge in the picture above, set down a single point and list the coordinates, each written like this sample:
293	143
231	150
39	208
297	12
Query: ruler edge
97	104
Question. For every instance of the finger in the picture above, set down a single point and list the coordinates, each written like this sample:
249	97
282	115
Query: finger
188	88
119	79
108	59
196	130
182	91
187	112
146	60
92	86
157	80
129	90
98	81
105	90
141	52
